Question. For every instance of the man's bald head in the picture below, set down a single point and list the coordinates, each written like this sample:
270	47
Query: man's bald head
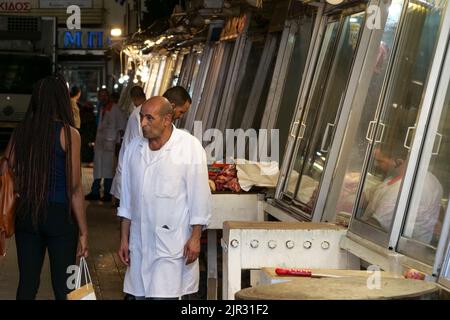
160	105
156	117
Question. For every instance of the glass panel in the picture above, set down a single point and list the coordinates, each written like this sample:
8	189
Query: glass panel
88	78
243	94
322	118
176	75
197	61
425	223
389	156
292	83
363	109
267	82
323	65
20	72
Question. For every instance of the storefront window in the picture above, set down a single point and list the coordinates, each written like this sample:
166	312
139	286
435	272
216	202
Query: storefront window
395	128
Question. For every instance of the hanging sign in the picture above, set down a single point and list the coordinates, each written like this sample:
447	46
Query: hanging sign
90	39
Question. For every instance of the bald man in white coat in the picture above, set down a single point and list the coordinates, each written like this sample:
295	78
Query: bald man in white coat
165	204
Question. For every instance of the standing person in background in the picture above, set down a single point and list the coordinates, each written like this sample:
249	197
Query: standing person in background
45	156
108	132
180	101
75	95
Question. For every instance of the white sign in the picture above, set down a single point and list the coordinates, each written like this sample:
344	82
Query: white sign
49	4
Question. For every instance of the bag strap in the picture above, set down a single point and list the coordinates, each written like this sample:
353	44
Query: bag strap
83	269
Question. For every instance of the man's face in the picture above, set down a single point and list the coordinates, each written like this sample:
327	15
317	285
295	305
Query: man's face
180	110
383	162
152	123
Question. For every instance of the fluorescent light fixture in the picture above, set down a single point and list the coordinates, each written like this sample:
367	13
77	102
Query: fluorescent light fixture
335	2
116	32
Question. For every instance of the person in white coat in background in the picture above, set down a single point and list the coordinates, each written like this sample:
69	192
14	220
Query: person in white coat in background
181	102
165	204
111	125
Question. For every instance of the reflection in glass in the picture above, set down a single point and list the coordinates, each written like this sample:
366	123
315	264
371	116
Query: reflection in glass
389	155
323	65
322	118
363	111
424	224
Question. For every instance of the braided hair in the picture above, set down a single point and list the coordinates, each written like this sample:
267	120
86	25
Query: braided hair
34	140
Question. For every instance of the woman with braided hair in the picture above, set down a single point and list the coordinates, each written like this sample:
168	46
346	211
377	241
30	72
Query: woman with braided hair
45	156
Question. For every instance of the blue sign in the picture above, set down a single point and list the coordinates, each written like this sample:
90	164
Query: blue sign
77	39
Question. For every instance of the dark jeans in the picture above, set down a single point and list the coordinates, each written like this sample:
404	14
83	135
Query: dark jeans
59	234
107	183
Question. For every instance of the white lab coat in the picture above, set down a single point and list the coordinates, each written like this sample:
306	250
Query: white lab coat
163	196
383	200
105	142
132	131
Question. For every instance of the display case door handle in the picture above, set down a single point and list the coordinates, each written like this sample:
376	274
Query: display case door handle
369	132
439	144
407	136
302	131
294	127
325	138
383	126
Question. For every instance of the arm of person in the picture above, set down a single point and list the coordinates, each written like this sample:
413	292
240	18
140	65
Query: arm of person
192	247
124	241
131	132
77	195
124	211
199	201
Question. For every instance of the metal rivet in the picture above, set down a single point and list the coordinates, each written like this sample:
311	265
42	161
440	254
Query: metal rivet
290	244
307	244
254	244
272	244
325	245
234	243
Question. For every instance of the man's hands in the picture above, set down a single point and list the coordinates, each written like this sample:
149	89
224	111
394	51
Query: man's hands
124	252
192	246
192	250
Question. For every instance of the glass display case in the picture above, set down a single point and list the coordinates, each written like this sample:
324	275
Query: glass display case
320	108
390	134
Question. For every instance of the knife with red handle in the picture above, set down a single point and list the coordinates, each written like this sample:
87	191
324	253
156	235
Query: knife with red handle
302	273
293	272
